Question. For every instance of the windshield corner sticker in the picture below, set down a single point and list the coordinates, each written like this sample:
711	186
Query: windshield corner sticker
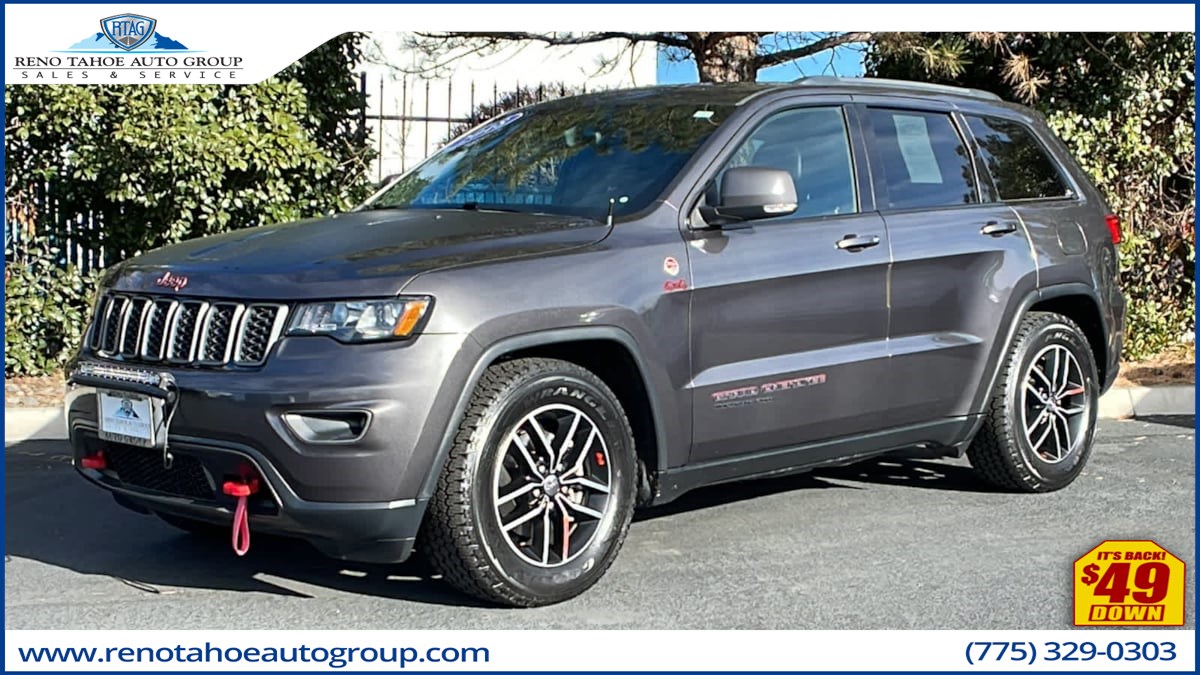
762	393
484	129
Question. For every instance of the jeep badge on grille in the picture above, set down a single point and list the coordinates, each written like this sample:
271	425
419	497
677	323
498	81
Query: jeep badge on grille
175	282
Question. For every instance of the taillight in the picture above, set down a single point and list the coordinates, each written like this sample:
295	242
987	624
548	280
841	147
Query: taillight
1114	227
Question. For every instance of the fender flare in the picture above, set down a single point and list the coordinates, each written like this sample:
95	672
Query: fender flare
1032	298
541	339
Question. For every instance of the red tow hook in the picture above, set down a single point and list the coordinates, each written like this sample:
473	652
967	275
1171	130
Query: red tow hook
94	461
242	489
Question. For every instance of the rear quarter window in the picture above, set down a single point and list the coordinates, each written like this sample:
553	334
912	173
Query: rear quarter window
1017	162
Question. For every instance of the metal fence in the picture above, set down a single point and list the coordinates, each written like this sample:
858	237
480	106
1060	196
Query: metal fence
414	123
34	225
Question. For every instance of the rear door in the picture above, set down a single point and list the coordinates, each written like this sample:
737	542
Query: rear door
789	318
1032	184
956	259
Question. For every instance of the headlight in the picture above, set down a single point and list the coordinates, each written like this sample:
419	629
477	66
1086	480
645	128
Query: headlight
361	320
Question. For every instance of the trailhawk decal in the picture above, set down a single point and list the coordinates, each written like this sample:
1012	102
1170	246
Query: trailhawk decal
762	393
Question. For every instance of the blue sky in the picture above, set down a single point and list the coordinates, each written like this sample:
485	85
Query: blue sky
844	62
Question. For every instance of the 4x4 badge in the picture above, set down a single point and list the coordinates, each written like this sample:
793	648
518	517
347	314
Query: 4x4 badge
175	282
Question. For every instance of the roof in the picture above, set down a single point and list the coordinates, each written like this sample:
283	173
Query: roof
716	94
735	93
907	86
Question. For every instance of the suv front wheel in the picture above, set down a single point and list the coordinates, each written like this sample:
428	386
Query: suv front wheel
538	491
1041	416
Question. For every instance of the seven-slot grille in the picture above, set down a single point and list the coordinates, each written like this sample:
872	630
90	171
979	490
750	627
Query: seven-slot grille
211	333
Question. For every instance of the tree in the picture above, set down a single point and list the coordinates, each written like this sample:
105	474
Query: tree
719	57
336	109
1125	105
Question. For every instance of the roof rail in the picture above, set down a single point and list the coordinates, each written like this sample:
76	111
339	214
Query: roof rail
884	83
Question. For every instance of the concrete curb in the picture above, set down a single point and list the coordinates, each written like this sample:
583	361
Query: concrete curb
1129	402
48	424
34	424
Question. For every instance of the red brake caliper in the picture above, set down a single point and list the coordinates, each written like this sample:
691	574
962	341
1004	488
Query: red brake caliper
566	534
241	521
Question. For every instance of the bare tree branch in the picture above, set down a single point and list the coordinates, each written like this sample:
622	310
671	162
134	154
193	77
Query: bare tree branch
558	39
815	47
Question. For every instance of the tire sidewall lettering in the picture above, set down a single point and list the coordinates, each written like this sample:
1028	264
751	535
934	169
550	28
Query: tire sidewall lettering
1055	333
523	398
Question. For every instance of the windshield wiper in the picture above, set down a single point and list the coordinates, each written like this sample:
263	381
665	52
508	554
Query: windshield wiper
465	206
476	206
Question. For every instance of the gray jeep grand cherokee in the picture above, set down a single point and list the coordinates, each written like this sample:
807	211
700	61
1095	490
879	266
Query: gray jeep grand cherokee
602	302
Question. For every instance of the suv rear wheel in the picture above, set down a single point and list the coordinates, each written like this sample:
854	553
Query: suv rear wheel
1039	423
538	492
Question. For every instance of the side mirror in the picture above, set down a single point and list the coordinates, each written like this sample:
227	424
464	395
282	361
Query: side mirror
751	193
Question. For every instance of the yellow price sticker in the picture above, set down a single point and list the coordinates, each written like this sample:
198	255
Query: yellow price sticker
1129	583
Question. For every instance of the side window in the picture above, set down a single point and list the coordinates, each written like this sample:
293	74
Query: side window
1018	164
925	162
813	146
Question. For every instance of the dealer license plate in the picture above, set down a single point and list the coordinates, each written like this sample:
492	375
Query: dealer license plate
129	417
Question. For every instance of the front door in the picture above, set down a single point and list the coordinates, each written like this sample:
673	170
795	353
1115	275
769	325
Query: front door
789	314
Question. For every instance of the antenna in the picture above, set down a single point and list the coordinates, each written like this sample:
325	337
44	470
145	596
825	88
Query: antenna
612	202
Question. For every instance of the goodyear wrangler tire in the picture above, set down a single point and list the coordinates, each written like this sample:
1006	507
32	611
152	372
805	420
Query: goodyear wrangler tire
1041	417
538	491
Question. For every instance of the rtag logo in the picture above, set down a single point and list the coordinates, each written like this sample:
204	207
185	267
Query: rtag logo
128	31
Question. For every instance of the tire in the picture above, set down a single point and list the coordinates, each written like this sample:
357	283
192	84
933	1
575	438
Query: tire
198	528
482	538
1014	449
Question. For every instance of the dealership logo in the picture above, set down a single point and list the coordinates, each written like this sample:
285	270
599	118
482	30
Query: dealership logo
128	48
128	31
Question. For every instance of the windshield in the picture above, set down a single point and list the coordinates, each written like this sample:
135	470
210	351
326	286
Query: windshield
565	158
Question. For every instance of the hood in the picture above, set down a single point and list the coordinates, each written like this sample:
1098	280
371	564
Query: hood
359	254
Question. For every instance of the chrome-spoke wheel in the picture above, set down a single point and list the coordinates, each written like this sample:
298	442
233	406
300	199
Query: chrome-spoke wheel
1054	397
551	484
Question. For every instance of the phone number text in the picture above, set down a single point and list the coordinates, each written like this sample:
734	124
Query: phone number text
1029	652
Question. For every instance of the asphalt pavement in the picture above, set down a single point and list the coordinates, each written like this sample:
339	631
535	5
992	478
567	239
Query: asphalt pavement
888	544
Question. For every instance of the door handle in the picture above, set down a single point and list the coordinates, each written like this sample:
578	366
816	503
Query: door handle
996	229
854	243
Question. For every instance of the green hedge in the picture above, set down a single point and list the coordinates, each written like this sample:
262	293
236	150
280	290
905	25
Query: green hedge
154	165
46	309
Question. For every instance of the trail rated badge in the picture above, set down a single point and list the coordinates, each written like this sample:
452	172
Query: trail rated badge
1129	583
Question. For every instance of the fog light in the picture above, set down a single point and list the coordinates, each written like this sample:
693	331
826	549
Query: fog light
328	426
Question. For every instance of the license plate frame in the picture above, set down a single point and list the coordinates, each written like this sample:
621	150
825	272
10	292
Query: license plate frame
129	417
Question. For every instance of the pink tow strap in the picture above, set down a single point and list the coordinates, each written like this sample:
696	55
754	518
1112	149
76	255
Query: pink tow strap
241	521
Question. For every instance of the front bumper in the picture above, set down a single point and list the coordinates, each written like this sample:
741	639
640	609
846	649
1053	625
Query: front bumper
359	500
361	531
